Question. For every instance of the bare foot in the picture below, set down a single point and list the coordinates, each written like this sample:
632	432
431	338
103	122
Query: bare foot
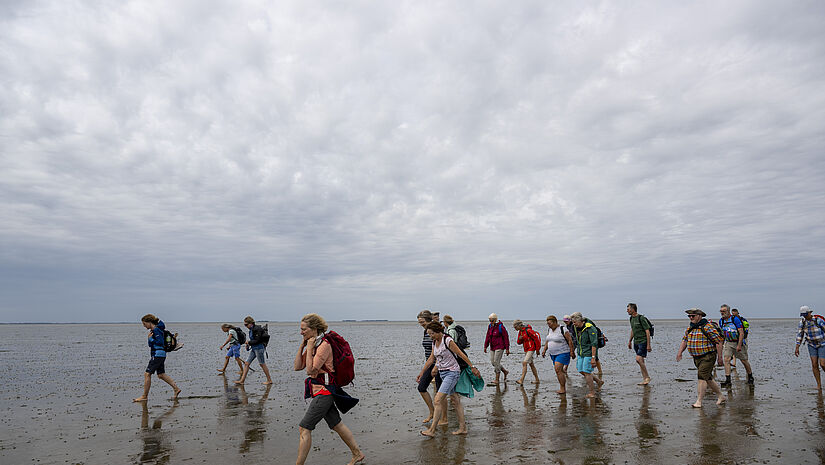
721	400
240	372
460	431
518	381
177	393
697	405
221	371
505	375
443	423
600	383
645	382
268	383
427	433
590	395
560	392
428	419
140	399
357	458
238	382
537	382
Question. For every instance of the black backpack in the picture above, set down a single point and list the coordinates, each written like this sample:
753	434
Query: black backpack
265	335
170	341
648	322
241	335
461	337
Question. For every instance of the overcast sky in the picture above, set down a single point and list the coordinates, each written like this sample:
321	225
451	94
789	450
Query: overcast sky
207	160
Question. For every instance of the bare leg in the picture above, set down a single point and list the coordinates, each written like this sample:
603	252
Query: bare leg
747	366
714	386
243	375
429	401
535	372
440	403
562	376
349	440
225	364
701	386
523	373
147	383
240	365
459	413
304	444
588	378
726	361
266	372
170	382
598	364
645	377
815	362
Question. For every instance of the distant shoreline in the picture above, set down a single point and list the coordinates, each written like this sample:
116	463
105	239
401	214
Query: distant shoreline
333	321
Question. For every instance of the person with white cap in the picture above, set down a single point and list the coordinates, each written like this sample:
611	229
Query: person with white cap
498	342
812	328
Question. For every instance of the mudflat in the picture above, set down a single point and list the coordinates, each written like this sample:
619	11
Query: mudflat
67	395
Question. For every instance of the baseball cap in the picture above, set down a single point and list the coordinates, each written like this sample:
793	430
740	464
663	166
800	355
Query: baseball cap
804	310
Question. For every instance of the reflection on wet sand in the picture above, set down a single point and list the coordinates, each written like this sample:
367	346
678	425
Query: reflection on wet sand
589	412
236	401
646	424
820	411
156	448
710	439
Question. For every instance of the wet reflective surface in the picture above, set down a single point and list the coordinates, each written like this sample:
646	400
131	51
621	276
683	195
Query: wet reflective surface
67	396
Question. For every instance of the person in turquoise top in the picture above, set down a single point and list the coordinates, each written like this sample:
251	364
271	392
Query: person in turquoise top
587	348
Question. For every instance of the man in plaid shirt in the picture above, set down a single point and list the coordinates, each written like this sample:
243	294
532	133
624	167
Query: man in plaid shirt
812	329
701	340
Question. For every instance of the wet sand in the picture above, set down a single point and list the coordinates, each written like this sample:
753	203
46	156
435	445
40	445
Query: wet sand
67	399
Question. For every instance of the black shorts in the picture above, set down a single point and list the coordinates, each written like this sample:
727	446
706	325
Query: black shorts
321	407
424	384
156	366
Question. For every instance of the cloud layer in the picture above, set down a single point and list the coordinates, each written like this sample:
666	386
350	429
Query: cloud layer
206	160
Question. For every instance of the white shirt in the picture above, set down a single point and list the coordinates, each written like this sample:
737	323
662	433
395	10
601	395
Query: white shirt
556	342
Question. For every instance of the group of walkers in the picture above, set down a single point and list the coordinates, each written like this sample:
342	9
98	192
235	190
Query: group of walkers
447	366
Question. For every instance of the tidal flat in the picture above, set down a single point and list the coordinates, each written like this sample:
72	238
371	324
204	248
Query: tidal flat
68	390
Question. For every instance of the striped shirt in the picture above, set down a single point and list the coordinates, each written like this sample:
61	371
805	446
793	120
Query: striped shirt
428	345
813	331
698	344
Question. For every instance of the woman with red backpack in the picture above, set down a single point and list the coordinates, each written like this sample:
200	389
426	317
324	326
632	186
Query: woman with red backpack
531	341
315	354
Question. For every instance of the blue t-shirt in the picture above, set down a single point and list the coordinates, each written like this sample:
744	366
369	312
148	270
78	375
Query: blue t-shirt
730	328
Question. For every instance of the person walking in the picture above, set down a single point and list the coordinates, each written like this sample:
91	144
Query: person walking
588	347
234	347
701	340
745	326
157	361
559	343
812	330
640	338
256	345
531	341
444	356
315	356
735	343
449	327
499	343
425	317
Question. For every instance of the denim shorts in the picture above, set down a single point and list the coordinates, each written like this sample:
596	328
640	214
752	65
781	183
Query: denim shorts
641	349
234	351
583	365
259	352
563	358
448	381
818	352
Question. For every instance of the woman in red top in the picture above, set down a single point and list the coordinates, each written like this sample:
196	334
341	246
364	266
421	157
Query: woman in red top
531	342
315	355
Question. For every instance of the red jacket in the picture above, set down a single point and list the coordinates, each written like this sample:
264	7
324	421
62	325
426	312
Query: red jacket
528	342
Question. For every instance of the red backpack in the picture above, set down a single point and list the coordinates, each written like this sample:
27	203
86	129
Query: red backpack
536	337
342	360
